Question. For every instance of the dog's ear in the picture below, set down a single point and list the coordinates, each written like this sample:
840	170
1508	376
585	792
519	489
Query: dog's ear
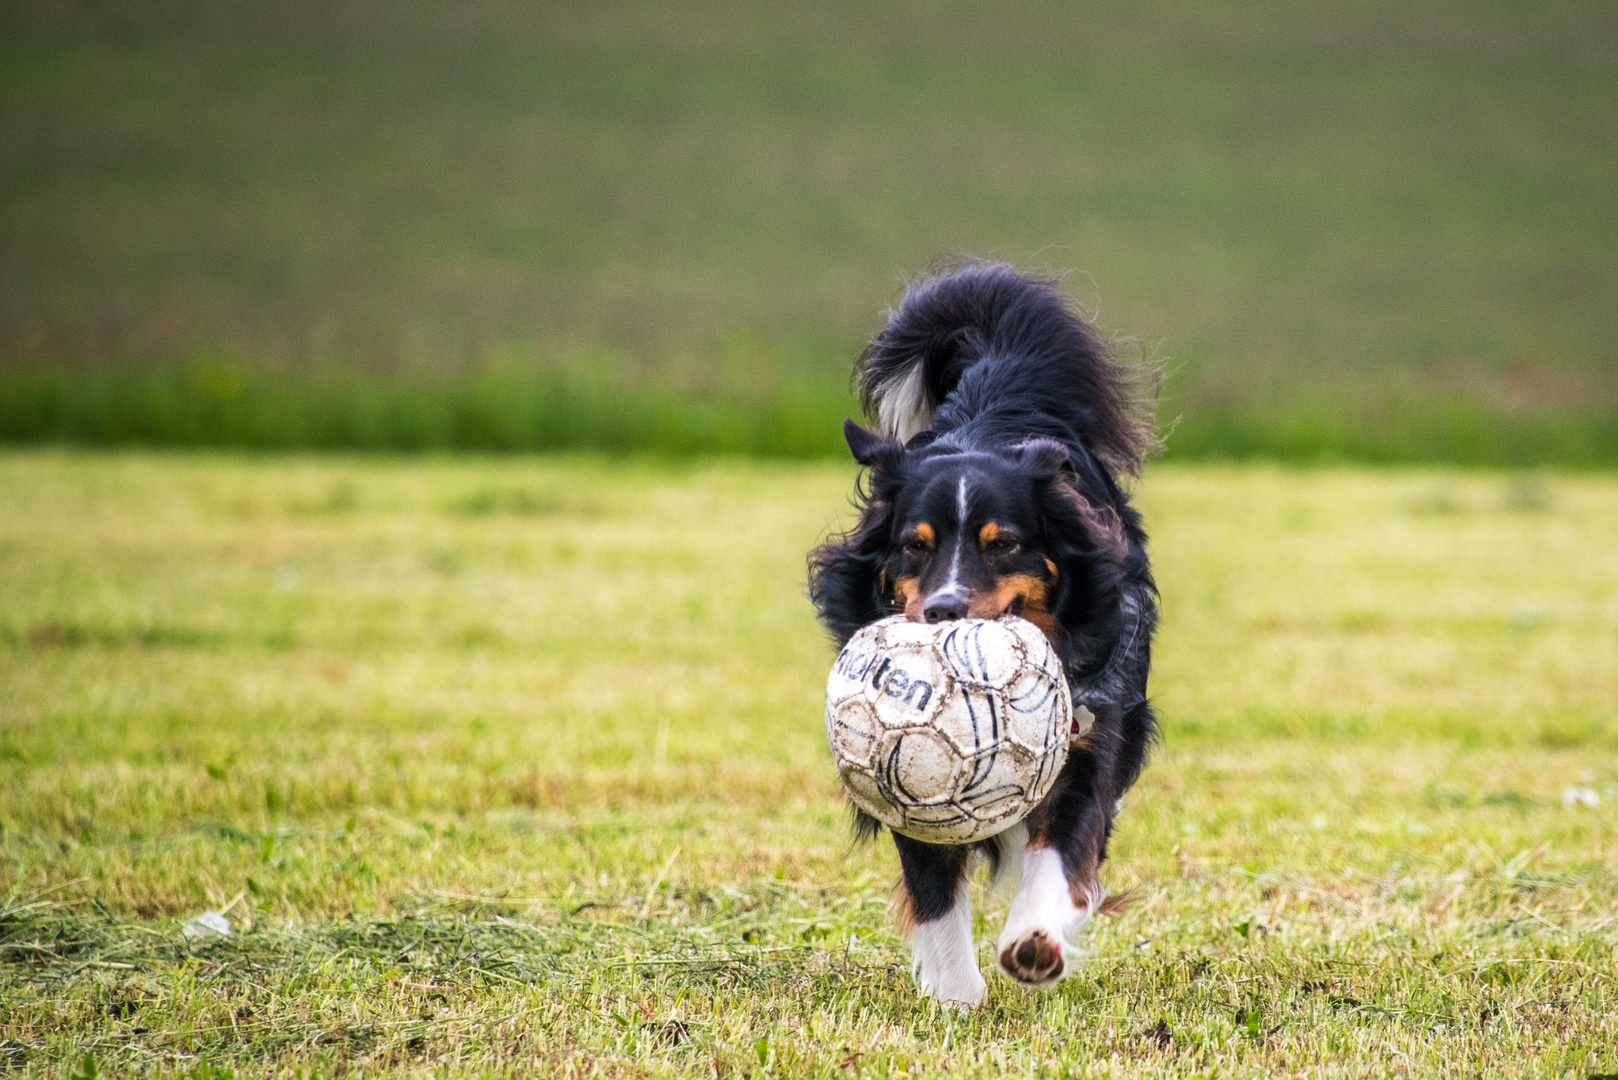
1051	463
845	573
1047	459
869	448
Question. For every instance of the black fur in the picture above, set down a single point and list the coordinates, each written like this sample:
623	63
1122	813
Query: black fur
932	873
1060	382
1031	422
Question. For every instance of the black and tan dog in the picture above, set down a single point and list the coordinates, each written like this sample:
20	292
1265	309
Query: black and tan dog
993	487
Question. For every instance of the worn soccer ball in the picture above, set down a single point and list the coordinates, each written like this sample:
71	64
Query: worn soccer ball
952	732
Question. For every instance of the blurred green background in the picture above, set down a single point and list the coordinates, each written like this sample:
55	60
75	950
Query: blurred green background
1356	229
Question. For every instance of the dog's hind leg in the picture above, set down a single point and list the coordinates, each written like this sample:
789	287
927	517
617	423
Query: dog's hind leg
935	902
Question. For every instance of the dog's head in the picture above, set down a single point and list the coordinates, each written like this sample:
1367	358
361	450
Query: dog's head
949	534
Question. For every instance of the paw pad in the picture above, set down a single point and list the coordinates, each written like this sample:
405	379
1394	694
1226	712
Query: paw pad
1035	958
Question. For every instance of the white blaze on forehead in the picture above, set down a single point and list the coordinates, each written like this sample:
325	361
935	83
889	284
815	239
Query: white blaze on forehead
954	582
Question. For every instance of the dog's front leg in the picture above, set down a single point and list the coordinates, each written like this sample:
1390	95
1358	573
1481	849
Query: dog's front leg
1060	892
935	901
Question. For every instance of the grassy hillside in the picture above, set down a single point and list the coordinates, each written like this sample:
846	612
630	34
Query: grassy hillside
1360	229
508	769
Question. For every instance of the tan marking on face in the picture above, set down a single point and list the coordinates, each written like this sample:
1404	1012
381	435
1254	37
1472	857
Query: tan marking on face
1024	591
988	533
926	534
1042	619
1051	567
907	595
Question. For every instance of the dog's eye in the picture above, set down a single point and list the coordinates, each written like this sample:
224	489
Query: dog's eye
1000	545
915	547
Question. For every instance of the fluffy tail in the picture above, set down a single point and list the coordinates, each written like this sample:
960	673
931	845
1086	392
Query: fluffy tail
949	322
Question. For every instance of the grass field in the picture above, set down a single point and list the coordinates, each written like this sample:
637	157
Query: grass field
1359	229
516	768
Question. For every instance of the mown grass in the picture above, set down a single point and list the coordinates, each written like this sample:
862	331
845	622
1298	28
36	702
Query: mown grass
1358	229
516	767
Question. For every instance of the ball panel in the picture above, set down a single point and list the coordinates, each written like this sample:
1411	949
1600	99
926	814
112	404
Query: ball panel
852	732
943	823
852	671
1043	773
1002	788
917	768
908	688
1032	637
993	776
868	795
981	653
973	723
897	632
1036	711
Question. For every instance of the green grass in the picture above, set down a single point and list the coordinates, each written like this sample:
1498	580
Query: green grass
784	413
216	404
515	767
1363	230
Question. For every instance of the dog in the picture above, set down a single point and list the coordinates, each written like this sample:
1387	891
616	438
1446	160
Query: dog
993	485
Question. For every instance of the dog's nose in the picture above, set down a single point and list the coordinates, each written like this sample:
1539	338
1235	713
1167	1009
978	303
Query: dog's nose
945	606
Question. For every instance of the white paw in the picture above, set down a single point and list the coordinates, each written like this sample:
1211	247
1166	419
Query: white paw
946	964
1035	945
964	991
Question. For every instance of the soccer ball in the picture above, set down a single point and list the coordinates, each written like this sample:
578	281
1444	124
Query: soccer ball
949	733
